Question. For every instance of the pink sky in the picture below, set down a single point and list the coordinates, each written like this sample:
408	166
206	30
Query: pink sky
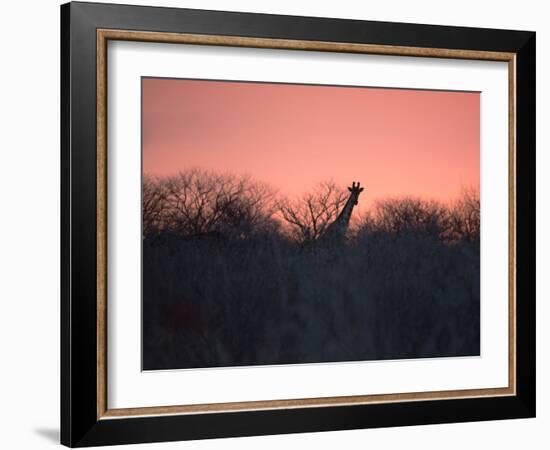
396	142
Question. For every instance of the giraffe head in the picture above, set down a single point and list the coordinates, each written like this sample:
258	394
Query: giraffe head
355	190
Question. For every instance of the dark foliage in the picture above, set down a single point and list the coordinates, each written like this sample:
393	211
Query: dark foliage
251	290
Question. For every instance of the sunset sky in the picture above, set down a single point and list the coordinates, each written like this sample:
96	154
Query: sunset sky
396	142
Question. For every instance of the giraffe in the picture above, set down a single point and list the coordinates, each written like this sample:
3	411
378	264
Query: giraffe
337	229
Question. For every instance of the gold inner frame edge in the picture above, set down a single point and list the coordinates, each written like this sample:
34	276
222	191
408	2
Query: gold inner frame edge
103	36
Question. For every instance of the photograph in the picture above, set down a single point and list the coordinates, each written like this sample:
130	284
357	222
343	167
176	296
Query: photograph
287	223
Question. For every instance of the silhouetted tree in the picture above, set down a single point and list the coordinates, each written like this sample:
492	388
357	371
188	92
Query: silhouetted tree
197	202
408	215
465	216
308	216
154	205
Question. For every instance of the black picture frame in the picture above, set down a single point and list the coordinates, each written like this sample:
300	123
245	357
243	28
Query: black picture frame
80	425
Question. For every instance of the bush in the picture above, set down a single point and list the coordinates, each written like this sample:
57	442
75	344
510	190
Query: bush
404	285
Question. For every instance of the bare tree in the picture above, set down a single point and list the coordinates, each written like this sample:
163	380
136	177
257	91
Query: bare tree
309	216
398	216
153	205
465	216
198	202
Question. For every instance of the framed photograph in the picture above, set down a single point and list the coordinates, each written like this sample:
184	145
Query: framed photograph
278	224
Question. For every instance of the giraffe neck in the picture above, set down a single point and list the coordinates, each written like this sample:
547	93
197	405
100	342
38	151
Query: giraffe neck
343	219
339	227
